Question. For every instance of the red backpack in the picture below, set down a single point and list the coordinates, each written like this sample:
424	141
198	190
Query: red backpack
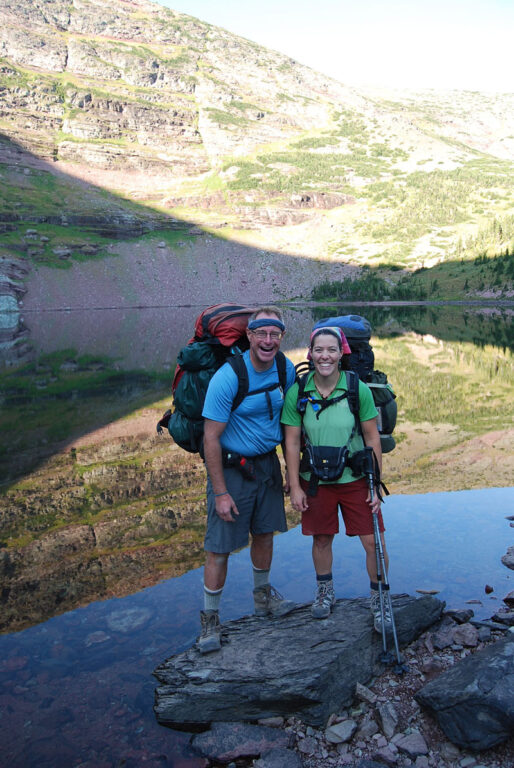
219	335
221	326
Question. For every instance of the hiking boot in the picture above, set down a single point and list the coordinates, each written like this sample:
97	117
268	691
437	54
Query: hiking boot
269	602
210	637
374	605
324	601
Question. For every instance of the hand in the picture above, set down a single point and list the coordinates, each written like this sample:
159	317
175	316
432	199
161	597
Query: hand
375	503
287	484
226	507
299	499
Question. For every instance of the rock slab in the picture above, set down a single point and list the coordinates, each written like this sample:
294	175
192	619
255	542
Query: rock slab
508	558
226	742
280	667
474	701
279	758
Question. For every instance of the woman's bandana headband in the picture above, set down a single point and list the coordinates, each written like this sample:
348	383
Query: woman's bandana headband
333	331
262	321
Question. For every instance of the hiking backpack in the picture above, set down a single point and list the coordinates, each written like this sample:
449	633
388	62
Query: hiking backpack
362	360
219	337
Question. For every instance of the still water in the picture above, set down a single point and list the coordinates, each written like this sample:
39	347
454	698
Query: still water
87	675
77	689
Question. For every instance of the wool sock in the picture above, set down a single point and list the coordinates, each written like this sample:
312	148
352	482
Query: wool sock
260	577
324	577
211	599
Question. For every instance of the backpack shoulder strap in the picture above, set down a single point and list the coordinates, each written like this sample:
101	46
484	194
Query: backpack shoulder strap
238	365
302	371
281	369
352	383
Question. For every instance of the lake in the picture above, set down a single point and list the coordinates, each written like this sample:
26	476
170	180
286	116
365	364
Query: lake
87	675
76	684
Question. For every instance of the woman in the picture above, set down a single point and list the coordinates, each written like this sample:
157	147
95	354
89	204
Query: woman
328	421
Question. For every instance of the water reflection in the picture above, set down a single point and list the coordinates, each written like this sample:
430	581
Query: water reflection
87	675
150	338
95	505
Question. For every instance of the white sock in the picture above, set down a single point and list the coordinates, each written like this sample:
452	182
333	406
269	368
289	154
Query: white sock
260	577
211	599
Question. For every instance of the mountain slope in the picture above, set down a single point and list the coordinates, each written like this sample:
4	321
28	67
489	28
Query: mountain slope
186	121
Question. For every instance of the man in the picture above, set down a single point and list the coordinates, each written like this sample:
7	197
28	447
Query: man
244	479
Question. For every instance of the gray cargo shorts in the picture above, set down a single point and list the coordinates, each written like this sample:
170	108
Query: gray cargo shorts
260	503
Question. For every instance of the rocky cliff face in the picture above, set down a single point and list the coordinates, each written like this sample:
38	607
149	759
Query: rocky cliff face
123	117
135	86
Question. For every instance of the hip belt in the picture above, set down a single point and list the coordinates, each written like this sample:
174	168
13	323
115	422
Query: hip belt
246	465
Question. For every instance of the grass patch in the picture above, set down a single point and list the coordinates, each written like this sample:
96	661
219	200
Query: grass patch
225	119
422	201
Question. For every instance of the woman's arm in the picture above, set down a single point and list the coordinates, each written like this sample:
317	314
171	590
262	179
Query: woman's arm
372	438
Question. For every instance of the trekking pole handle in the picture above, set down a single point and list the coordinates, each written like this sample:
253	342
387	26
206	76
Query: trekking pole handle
369	470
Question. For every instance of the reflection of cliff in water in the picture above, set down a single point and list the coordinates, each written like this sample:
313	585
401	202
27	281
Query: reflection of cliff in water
108	517
136	338
98	505
104	519
151	338
14	335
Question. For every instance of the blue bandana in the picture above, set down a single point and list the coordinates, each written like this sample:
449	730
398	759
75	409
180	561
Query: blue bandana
262	321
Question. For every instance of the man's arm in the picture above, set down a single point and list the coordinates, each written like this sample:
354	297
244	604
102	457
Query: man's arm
225	505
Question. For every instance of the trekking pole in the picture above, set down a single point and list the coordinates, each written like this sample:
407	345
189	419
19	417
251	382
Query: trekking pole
383	584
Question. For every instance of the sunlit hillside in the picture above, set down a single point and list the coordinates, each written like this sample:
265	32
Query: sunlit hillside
123	118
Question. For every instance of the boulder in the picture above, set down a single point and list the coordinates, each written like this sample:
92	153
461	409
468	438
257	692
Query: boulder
412	744
460	615
230	741
280	667
388	718
508	558
338	733
473	702
467	635
279	758
504	617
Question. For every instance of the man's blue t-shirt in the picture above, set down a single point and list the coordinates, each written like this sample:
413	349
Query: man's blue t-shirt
249	429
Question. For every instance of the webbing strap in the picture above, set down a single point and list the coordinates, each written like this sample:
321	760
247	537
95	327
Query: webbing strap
318	406
238	365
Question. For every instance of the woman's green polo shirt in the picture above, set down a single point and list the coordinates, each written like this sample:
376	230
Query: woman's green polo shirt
335	423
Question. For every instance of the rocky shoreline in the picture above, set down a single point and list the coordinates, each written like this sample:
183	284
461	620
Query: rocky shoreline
415	739
385	727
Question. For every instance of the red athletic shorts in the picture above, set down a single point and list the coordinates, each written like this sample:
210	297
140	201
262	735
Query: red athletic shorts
323	517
